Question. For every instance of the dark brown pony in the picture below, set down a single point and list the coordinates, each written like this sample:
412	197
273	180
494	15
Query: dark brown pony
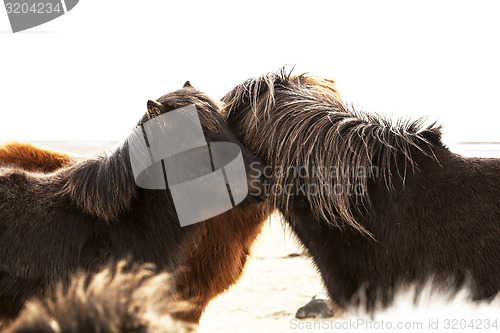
378	203
213	264
90	212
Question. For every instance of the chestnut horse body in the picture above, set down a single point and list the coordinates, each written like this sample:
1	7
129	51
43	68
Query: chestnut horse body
30	158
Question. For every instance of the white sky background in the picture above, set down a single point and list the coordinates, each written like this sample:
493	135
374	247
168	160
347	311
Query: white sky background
88	74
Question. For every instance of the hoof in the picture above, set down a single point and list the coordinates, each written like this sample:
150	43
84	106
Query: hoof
316	308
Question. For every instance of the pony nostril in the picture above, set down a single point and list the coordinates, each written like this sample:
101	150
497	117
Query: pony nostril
258	197
262	197
257	189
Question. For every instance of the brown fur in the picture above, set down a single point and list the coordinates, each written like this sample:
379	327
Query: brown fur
325	87
212	265
217	261
91	213
426	212
115	300
31	158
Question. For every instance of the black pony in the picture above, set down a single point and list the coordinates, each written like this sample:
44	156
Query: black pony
92	213
379	204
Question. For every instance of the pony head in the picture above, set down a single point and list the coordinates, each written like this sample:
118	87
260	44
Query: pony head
215	130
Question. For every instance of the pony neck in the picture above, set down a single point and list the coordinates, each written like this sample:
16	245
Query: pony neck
104	187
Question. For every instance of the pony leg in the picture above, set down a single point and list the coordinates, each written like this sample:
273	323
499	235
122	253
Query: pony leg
30	158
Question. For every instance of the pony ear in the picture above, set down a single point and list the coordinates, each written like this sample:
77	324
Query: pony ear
154	109
187	84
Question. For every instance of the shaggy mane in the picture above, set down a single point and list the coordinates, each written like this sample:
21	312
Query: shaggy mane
300	121
104	186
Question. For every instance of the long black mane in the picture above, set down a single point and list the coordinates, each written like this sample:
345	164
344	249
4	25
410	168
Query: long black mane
300	121
432	214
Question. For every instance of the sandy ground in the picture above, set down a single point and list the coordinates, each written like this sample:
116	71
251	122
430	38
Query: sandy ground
276	282
278	278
